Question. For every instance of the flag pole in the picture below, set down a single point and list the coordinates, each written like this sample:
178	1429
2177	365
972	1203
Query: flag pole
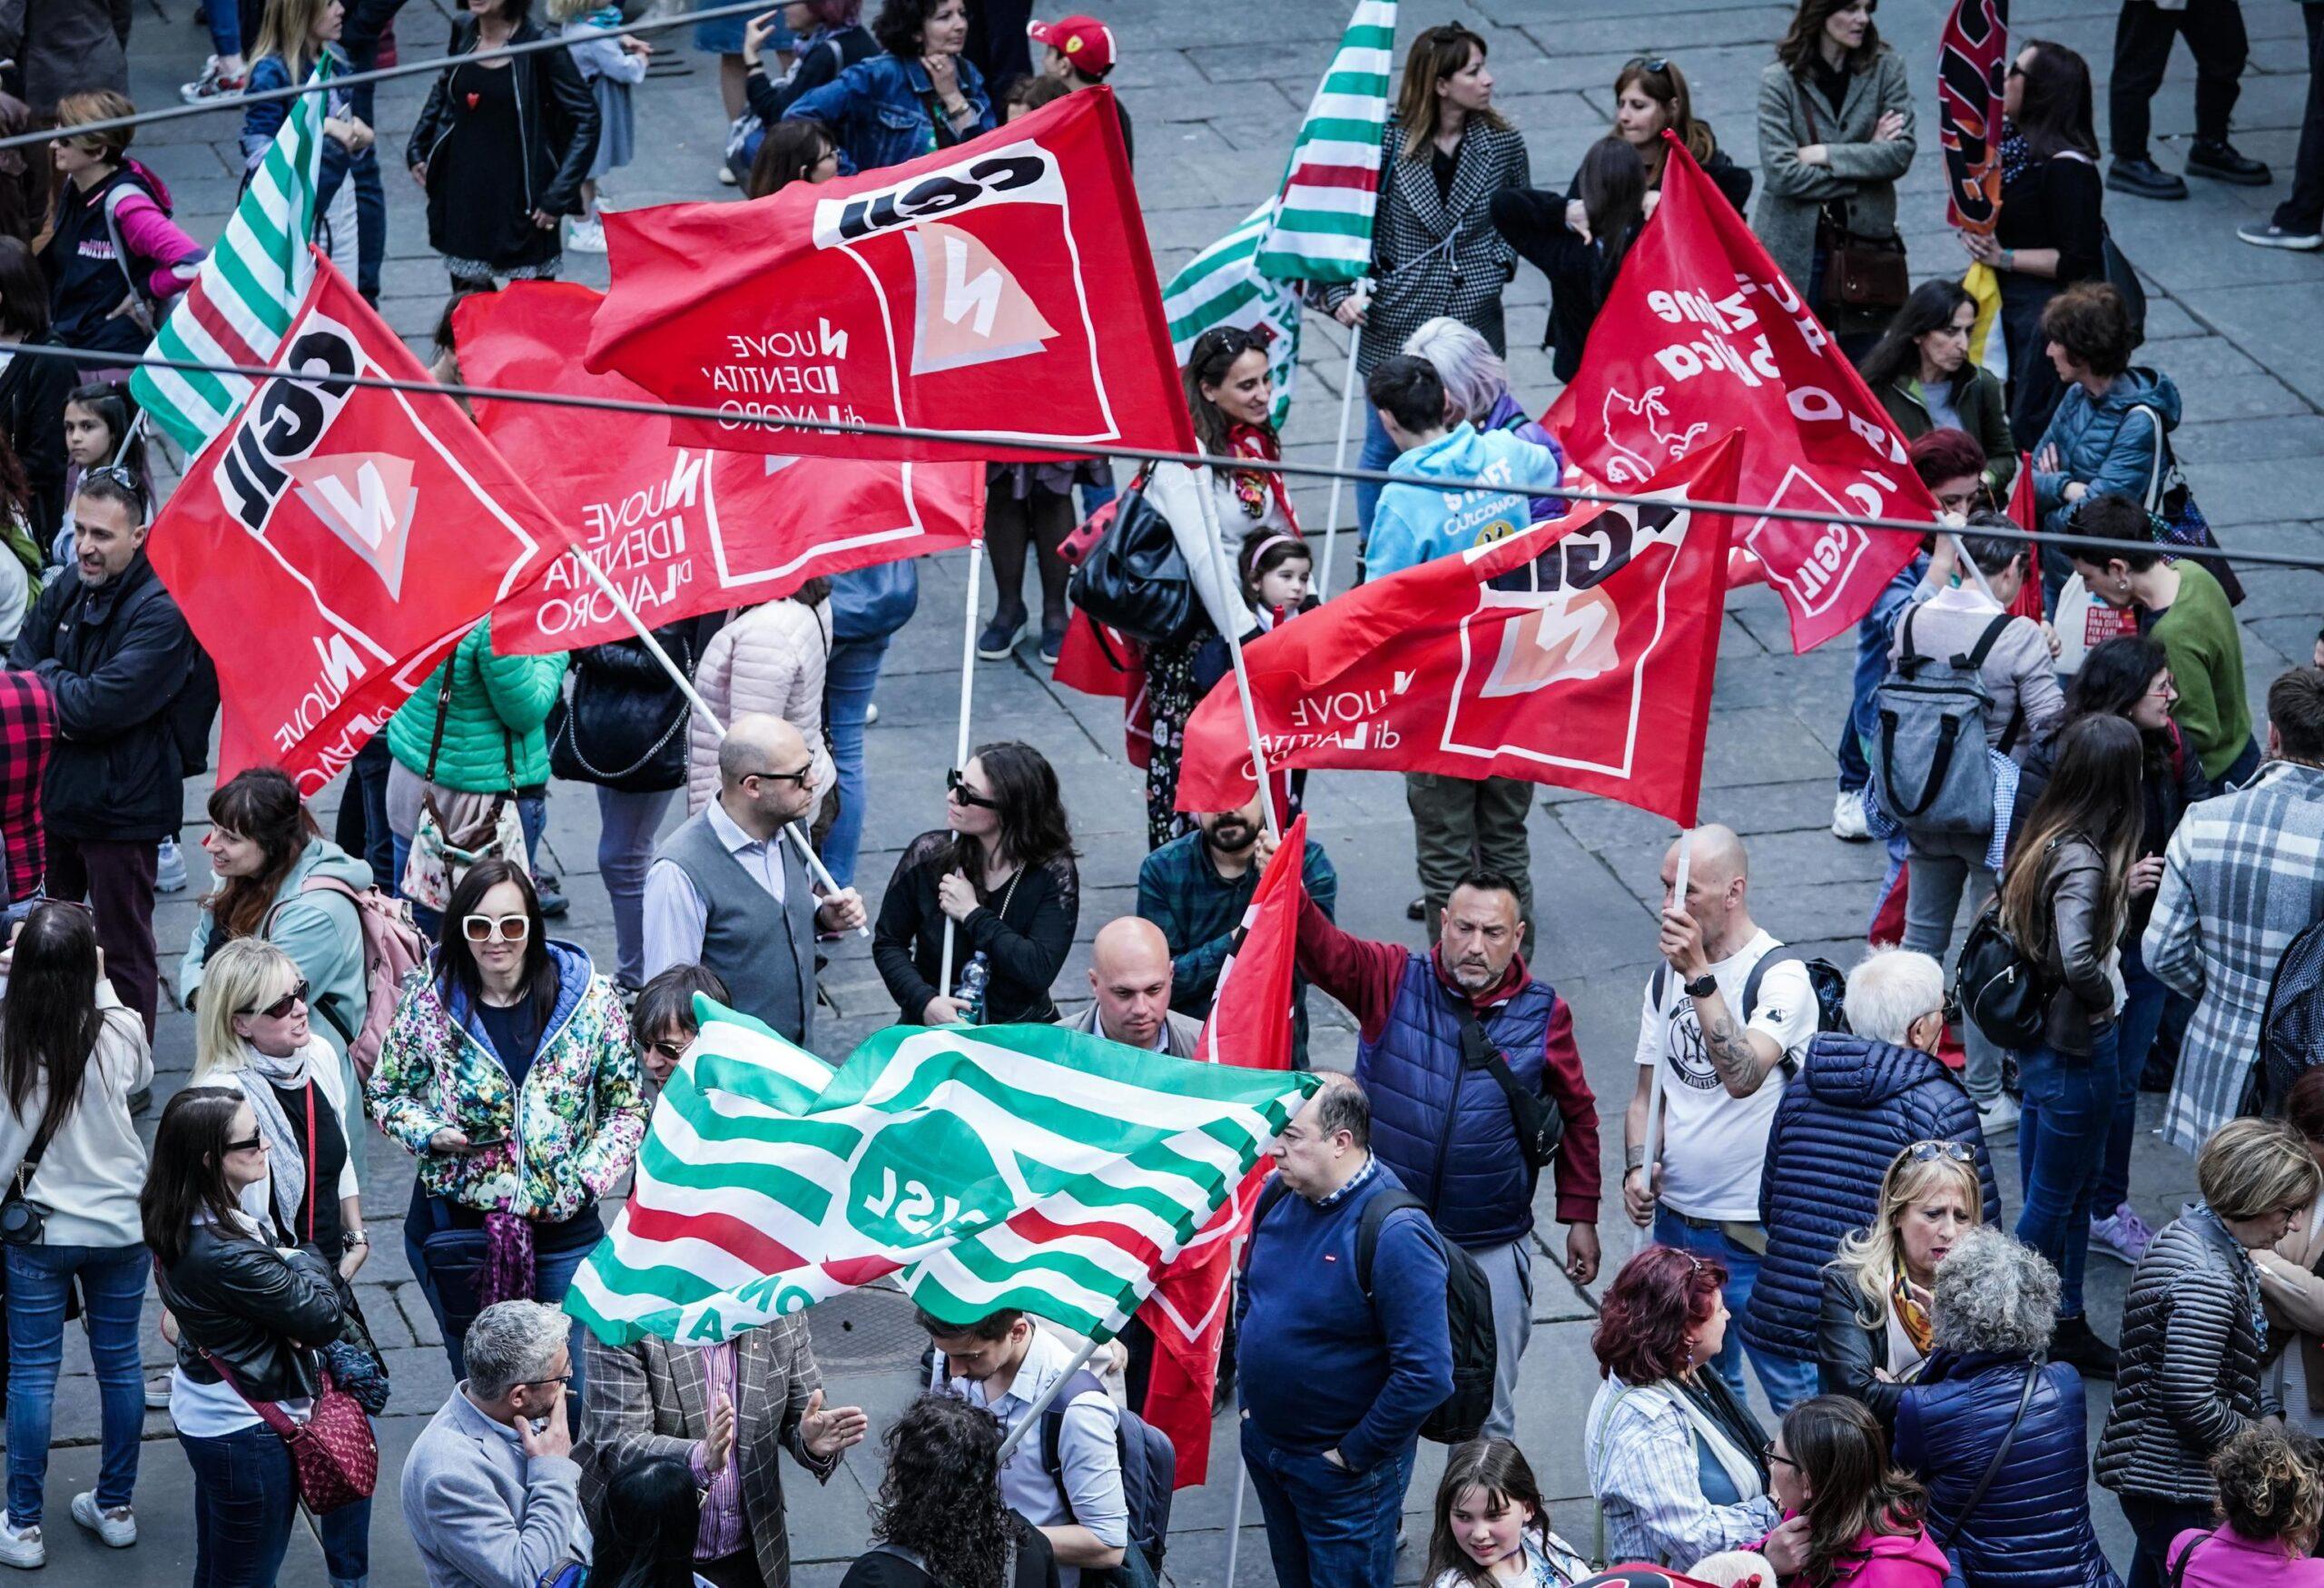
814	861
1235	1513
1032	1417
1229	582
1653	1142
1339	454
961	737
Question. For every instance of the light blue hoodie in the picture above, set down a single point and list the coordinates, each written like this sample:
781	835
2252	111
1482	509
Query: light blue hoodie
1413	524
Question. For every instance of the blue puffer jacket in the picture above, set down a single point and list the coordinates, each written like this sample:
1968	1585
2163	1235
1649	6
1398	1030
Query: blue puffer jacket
2031	1529
1854	1105
1445	1129
880	110
2102	443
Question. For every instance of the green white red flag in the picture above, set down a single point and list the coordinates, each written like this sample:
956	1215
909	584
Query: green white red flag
1321	229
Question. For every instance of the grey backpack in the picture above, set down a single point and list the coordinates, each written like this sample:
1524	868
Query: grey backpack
1929	759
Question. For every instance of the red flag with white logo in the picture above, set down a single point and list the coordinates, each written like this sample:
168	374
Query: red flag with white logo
1250	1025
1702	335
1003	286
1577	653
331	543
679	530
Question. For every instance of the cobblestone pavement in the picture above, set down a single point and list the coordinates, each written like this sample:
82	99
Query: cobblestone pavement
1216	89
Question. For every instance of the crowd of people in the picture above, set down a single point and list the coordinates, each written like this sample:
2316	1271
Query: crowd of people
1806	1147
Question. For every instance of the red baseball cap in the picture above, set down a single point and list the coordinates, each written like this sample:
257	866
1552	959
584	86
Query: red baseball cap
1085	41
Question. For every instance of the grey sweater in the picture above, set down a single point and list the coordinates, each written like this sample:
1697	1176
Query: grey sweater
1861	174
2017	670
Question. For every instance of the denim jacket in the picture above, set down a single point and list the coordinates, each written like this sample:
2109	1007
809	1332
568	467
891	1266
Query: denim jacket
883	110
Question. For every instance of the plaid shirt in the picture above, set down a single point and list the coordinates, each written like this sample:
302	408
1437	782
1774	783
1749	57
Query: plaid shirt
27	729
2242	877
1198	911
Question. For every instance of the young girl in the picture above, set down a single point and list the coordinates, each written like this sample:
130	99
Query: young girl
1491	1529
96	434
1274	570
611	65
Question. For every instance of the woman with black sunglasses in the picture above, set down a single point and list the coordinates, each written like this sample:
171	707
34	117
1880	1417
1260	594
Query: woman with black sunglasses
508	1073
1001	872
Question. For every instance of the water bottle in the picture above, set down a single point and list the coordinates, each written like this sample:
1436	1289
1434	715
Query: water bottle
975	976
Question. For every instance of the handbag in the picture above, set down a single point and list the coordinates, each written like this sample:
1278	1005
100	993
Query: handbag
2178	521
1869	274
440	853
625	750
1998	985
1132	577
1540	1129
333	1453
22	1221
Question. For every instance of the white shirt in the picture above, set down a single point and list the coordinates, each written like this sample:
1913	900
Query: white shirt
675	914
1713	1144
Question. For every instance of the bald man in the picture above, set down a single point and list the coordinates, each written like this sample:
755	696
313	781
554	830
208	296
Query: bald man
1130	980
729	891
1726	1019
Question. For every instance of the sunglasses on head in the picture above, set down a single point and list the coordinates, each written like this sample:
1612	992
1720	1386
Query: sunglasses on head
1655	64
497	928
281	1006
1929	1151
956	783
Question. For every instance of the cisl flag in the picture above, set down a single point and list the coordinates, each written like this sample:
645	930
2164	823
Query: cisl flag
1702	335
1578	653
330	542
678	530
1002	286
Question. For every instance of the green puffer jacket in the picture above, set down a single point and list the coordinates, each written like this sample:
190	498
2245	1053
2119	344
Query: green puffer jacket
498	707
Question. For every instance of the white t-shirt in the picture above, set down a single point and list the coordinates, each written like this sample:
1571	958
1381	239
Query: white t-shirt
1713	1144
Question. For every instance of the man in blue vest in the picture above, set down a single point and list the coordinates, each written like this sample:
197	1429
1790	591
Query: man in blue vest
1443	1123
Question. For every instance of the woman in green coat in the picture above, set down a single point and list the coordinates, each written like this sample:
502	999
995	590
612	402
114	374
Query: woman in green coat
1922	375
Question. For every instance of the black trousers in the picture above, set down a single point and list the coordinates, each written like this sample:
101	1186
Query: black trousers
2142	35
2303	212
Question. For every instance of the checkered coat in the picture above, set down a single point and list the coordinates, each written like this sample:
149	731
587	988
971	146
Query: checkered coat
2242	876
1432	257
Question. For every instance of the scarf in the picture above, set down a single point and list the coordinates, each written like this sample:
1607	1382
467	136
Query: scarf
1254	487
285	1164
1910	1313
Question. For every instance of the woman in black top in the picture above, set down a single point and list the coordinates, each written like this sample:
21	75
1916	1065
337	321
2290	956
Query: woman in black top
940	1521
2052	228
1580	260
1002	874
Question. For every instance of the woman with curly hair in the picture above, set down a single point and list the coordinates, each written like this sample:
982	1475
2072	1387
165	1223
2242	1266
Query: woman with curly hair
917	95
940	1521
1851	1518
2270	1503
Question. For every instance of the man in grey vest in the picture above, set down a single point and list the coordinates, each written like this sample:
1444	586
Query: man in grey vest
729	892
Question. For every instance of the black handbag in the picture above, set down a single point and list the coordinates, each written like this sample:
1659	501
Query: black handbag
1540	1129
1133	579
620	736
21	1222
1998	985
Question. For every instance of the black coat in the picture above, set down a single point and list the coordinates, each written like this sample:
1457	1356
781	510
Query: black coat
117	659
249	1306
1847	1352
623	726
558	111
32	414
1025	935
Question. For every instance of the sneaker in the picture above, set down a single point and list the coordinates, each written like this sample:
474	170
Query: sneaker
169	868
2144	179
553	903
215	84
726	175
1848	817
2076	1344
998	642
1052	642
2225	163
22	1546
1998	1118
117	1527
2121	1235
586	235
870	713
2274	236
157	1393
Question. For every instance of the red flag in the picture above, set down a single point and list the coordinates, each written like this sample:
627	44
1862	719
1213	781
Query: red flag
1577	653
1701	335
330	543
2027	511
1250	1025
680	531
1003	285
1973	61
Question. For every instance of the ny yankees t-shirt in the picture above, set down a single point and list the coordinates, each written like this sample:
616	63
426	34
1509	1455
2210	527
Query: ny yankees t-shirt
1713	1144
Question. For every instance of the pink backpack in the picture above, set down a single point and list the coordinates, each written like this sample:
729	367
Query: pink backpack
393	946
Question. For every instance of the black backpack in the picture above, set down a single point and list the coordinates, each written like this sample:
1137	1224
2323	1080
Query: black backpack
1468	1310
1149	1467
1829	982
2291	1030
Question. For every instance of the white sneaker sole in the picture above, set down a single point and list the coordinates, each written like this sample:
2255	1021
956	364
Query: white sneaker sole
113	1535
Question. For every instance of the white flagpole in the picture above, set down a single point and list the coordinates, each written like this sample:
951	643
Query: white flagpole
815	863
960	738
1235	1512
1339	456
1032	1417
1229	582
1654	1139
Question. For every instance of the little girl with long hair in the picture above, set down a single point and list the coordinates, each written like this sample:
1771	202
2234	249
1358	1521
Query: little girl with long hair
1492	1530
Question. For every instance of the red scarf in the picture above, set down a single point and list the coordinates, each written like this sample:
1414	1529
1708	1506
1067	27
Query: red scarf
1253	487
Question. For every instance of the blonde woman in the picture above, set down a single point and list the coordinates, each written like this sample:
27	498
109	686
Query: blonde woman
350	202
1875	1327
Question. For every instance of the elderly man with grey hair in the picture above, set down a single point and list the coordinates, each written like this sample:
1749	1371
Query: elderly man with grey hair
491	1493
1999	1436
1861	1097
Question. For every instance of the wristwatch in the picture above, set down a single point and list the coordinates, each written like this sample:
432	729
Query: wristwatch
353	1238
1702	986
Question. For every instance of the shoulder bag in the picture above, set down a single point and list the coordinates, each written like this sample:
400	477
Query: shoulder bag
332	1453
441	850
1540	1129
2179	522
1131	577
22	1221
2001	1455
1869	274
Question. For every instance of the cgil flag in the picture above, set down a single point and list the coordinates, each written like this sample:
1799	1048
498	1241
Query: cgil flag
1222	286
984	1166
1577	653
250	287
1320	227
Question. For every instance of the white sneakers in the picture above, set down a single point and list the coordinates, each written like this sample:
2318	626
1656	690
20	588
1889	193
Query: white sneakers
20	1548
23	1548
1998	1118
1848	817
169	868
586	235
215	83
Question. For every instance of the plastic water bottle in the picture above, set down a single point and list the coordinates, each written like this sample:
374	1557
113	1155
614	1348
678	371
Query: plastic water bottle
975	977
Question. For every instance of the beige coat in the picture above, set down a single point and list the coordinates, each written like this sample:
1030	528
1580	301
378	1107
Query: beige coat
2294	1294
770	660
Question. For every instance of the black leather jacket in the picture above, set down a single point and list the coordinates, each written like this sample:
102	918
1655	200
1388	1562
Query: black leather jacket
2076	950
259	1313
555	106
1848	1354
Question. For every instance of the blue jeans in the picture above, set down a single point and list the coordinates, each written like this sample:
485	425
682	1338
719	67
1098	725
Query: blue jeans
1327	1528
2144	1002
367	780
849	679
1787	1381
2069	1103
112	1287
532	815
2242	769
1378	452
370	209
346	1535
245	1497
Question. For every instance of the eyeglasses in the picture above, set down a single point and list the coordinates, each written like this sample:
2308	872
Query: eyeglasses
1949	1011
1930	1151
672	1051
281	1006
537	1383
252	1144
1775	1460
497	929
1655	64
956	785
796	779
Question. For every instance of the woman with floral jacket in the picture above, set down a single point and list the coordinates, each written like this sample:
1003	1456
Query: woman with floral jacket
508	1073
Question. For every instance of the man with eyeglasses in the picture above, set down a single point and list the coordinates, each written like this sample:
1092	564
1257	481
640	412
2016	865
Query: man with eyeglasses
116	655
729	891
1866	1094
